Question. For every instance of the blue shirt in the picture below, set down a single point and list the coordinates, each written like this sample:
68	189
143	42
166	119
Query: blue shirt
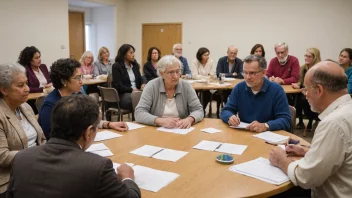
184	62
269	105
349	78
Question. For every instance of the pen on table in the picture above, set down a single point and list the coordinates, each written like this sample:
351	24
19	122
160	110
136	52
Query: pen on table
157	152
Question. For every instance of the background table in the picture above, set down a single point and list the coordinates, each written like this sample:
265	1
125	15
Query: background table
200	175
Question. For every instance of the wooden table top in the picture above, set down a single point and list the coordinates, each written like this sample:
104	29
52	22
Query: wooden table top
200	175
232	84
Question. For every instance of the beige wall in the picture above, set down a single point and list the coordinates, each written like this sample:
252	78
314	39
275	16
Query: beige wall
43	24
215	24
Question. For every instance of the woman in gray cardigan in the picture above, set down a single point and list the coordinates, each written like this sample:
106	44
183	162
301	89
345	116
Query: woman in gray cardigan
168	101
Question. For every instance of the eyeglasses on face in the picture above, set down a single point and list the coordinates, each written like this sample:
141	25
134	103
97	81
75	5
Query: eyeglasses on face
78	77
304	90
244	73
173	72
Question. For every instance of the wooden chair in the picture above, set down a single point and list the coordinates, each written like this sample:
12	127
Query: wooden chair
110	95
136	96
38	102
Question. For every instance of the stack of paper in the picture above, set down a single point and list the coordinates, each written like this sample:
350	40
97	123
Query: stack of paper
178	131
132	126
211	130
159	153
221	147
151	179
104	135
261	168
100	149
272	138
242	125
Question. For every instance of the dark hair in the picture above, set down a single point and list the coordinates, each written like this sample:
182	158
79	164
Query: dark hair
72	115
63	69
120	57
330	81
149	58
27	55
254	57
349	51
256	46
200	53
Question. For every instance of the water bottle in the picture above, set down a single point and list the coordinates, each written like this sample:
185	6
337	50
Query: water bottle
222	78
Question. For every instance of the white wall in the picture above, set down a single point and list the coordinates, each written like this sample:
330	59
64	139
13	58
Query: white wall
104	25
216	24
43	24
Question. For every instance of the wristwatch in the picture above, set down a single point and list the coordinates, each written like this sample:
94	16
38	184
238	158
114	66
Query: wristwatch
267	126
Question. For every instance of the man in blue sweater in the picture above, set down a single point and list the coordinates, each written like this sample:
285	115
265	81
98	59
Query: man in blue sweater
257	101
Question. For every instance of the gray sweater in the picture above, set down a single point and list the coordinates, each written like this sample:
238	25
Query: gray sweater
152	102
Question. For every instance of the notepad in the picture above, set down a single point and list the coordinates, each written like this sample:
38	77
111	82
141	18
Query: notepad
261	169
132	126
105	135
159	153
210	130
242	125
272	138
178	131
152	179
100	149
221	147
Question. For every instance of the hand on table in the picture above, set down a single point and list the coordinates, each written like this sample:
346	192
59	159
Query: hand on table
256	126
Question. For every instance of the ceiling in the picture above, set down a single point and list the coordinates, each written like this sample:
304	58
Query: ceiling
85	4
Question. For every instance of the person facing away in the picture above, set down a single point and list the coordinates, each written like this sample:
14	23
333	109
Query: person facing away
326	166
257	101
283	69
62	168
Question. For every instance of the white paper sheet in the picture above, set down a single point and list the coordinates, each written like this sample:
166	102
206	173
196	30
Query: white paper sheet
193	81
261	168
211	130
170	155
218	84
105	135
178	131
116	165
236	149
207	145
100	149
242	125
271	137
147	150
152	179
229	79
132	126
282	146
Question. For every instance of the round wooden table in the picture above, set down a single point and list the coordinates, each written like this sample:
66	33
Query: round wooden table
200	175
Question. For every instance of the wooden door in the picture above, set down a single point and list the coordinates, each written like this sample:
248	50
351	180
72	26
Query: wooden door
76	34
162	36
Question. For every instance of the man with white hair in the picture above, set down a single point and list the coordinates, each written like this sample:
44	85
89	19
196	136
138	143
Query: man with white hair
326	167
177	51
230	65
284	68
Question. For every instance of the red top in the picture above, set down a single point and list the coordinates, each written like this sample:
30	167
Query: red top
288	72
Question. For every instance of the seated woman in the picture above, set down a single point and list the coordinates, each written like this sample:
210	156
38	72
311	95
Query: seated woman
103	65
168	101
202	68
345	60
150	67
87	67
67	79
37	73
311	58
258	49
19	128
126	75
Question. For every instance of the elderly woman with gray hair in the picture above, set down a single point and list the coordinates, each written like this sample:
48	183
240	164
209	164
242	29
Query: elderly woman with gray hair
19	128
168	101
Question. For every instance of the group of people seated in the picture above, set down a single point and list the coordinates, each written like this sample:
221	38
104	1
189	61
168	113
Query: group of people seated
69	120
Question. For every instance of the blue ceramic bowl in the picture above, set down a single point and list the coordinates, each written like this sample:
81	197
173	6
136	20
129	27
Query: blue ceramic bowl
225	159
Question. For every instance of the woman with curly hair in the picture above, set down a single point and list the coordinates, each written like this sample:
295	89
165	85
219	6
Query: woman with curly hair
37	73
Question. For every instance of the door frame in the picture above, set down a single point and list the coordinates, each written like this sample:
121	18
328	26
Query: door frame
84	29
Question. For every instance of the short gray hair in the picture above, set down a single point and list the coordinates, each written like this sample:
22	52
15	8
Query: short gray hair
167	61
330	81
175	45
253	57
8	71
281	44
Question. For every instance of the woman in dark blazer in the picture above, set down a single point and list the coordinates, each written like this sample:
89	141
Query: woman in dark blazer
126	75
150	67
37	73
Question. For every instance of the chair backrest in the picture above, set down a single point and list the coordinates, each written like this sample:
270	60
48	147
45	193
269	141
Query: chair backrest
293	118
136	95
109	94
109	80
39	101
